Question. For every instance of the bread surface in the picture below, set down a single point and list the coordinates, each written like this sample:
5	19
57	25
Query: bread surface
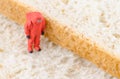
53	62
61	31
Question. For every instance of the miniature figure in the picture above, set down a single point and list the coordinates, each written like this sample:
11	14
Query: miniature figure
34	27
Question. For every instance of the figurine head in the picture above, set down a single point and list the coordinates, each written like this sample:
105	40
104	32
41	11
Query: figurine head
34	17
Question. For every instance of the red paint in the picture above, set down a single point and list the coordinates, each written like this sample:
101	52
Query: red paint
34	26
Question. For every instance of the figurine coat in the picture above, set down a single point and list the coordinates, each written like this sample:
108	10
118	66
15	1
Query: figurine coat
34	26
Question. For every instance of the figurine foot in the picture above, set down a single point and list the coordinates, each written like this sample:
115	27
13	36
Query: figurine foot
39	49
30	51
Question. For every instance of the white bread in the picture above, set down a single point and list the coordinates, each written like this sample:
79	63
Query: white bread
53	62
89	28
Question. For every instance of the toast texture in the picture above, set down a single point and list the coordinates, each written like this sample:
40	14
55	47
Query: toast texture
52	62
66	37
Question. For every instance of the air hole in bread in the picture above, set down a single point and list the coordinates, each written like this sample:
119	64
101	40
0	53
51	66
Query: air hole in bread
116	35
63	11
103	20
65	1
75	2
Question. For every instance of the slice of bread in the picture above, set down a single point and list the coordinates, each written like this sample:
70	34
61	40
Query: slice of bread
88	28
53	62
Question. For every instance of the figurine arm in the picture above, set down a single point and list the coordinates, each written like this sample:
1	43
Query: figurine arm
27	30
43	26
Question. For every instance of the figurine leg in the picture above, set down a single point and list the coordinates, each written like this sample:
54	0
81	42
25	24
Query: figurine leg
30	45
37	43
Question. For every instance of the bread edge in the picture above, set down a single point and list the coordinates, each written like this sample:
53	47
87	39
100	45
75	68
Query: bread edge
64	36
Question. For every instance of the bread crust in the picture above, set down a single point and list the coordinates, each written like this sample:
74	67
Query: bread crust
66	37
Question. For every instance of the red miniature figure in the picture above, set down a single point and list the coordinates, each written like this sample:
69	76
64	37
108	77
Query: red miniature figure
34	27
